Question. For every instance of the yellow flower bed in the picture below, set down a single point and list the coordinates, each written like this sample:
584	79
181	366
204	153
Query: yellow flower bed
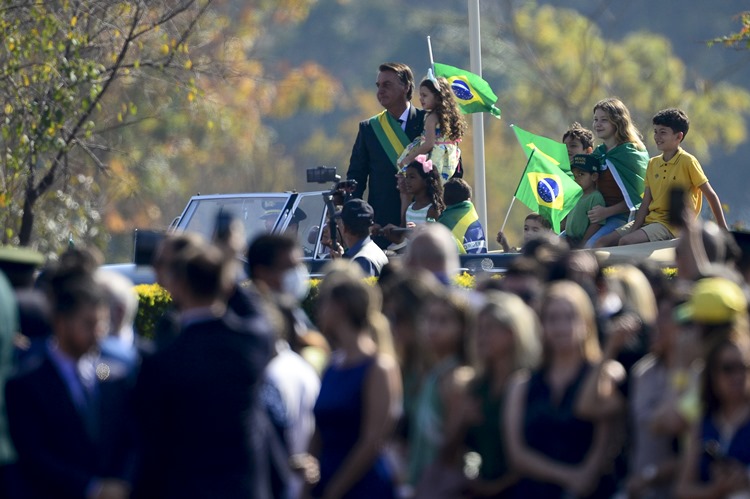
153	300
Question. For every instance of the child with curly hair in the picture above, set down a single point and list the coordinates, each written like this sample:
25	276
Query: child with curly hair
421	184
444	127
578	140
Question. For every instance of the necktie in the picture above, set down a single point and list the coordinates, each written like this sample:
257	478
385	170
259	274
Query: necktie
89	409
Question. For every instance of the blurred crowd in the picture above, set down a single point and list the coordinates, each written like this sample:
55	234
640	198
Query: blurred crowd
559	378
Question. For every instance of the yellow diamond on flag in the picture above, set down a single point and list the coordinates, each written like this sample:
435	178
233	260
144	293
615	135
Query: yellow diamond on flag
547	188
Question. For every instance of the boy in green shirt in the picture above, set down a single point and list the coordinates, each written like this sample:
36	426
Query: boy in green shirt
578	228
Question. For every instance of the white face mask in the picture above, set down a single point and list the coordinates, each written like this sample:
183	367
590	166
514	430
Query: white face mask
296	282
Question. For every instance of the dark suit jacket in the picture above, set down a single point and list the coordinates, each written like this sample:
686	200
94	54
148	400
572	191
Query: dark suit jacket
198	408
370	162
57	456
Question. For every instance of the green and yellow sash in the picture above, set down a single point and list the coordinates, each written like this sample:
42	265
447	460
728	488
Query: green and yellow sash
457	218
388	131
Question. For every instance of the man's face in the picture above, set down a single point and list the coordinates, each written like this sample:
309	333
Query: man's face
284	261
78	333
391	91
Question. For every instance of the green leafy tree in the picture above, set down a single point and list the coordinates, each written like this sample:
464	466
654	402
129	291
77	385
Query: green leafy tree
223	139
64	66
740	39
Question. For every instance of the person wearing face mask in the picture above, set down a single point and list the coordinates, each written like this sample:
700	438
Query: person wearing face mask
291	383
274	264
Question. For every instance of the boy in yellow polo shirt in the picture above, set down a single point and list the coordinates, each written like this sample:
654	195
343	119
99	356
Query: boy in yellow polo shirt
674	168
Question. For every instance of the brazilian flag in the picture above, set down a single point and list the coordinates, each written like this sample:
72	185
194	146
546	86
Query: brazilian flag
546	187
472	93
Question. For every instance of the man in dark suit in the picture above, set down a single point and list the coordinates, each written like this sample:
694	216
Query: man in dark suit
68	414
380	141
203	429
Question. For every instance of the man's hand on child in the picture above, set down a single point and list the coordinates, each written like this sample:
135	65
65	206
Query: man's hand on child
597	214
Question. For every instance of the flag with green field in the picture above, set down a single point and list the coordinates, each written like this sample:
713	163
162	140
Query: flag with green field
545	187
472	93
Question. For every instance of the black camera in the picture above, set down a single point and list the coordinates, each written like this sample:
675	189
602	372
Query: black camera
348	185
322	175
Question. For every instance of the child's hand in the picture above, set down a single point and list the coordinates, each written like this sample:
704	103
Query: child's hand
503	241
408	159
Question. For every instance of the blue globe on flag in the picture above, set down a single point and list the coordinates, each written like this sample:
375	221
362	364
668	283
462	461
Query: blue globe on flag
548	189
461	90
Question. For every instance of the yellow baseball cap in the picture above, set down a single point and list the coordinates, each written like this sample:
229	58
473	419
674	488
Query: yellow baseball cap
715	300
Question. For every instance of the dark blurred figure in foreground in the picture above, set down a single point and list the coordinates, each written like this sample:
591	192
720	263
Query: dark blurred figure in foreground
20	265
197	400
68	414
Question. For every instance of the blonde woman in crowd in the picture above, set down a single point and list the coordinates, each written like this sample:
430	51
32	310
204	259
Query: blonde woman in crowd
556	453
507	340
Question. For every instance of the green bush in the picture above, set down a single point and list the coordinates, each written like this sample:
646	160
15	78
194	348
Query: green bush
153	301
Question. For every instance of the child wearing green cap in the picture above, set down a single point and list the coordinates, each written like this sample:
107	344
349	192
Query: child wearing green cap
578	227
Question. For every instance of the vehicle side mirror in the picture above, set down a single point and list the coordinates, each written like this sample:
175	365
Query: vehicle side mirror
145	243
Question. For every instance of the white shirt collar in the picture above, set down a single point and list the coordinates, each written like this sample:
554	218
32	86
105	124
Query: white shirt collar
405	116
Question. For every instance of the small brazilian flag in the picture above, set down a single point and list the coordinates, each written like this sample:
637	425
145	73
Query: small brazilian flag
545	187
472	93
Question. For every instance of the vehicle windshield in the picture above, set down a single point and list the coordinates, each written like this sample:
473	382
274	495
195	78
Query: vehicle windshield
305	224
258	213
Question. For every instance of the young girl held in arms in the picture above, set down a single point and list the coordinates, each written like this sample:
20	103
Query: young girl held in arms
444	127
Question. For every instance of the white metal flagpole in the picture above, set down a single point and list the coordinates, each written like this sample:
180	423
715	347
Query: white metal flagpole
513	200
475	53
432	60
